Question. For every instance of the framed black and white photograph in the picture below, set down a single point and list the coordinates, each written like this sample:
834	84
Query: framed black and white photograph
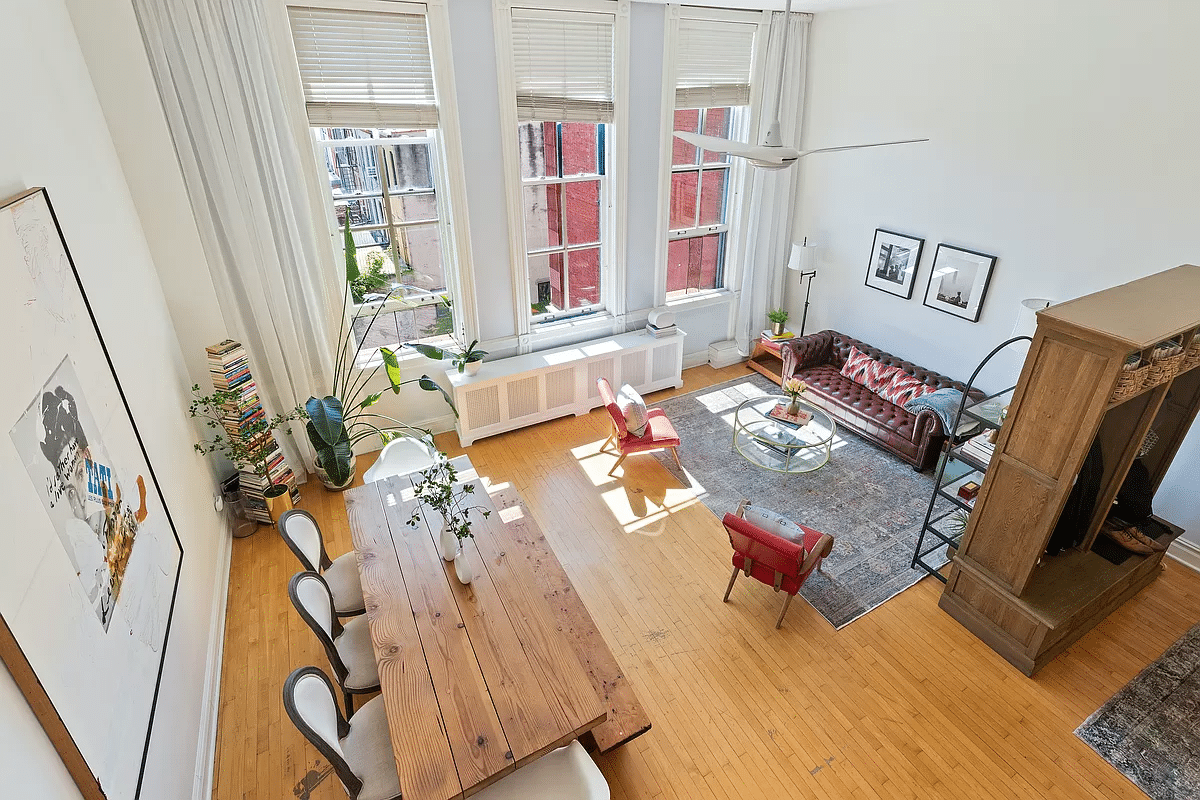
958	282
893	264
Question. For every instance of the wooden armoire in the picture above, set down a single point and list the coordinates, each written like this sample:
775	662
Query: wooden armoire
1027	605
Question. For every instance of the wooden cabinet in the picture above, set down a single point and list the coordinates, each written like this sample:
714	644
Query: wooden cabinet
1027	605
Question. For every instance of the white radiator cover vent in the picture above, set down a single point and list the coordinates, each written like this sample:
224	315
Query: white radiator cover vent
514	392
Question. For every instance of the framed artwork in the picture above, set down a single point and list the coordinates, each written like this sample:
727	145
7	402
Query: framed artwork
92	557
893	264
958	282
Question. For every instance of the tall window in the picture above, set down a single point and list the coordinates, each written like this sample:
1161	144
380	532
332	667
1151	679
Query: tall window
563	74
713	70
369	92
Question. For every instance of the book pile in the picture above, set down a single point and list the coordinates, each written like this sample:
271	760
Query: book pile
229	368
773	342
779	412
658	333
979	448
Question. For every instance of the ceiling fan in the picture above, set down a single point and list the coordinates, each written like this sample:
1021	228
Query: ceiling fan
771	154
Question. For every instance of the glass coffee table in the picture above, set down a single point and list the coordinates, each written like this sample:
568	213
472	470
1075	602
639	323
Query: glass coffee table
780	445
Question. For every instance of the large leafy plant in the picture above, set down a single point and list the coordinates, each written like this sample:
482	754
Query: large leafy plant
344	416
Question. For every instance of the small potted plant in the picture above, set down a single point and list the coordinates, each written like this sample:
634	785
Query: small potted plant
779	318
793	387
251	448
439	489
468	360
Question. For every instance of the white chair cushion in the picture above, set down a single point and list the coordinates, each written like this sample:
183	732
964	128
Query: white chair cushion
773	523
400	457
633	407
345	585
368	749
358	654
567	773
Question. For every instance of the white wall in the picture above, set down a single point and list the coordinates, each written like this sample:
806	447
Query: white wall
1063	141
56	137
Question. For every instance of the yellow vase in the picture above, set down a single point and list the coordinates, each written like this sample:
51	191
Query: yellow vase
278	504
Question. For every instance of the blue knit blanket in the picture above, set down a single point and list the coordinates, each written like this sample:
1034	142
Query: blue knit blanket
943	402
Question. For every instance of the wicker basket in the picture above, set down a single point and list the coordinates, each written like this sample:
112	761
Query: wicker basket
1130	382
1163	369
1191	356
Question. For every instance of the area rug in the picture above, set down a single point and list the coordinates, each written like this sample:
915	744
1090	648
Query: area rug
1150	730
871	502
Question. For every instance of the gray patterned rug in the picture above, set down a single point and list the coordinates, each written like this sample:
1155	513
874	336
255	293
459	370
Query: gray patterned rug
1150	730
871	502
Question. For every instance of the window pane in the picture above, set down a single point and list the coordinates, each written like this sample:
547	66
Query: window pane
712	196
543	216
716	123
583	212
414	207
363	211
583	277
420	252
393	328
432	322
352	170
694	264
683	200
538	142
580	149
686	119
408	166
546	282
380	333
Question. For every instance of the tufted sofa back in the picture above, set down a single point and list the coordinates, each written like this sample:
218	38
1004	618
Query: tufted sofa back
839	351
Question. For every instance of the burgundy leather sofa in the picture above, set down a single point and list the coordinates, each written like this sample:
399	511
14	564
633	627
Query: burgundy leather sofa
817	360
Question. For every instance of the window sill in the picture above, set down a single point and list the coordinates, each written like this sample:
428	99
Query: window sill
409	359
701	300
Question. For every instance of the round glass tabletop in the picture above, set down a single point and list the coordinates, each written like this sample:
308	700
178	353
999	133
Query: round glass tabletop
779	444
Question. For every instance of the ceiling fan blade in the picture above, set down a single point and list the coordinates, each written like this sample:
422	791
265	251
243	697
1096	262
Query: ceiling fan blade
857	146
760	155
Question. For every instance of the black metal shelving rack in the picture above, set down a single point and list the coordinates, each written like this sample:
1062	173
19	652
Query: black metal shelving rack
956	468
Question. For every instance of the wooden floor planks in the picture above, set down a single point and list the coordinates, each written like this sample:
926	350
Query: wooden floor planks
904	702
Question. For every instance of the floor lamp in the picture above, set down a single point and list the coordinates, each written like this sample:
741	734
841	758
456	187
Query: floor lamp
803	256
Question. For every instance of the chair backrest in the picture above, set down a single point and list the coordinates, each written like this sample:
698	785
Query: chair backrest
609	398
308	697
771	551
303	536
314	602
400	457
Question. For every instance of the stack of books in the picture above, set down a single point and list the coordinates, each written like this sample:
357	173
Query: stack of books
773	342
980	447
658	333
229	368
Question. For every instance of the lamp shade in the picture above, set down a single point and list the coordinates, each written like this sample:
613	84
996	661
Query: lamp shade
1026	324
802	255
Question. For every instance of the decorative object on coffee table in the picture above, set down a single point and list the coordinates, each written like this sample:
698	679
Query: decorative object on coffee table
1147	730
958	282
793	387
894	260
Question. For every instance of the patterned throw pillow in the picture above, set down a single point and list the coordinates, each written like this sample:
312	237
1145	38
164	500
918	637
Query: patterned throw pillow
902	388
633	407
867	371
773	523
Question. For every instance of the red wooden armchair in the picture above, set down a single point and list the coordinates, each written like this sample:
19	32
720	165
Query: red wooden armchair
660	433
772	559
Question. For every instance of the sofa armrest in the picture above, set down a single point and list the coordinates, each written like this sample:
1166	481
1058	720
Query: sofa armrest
805	351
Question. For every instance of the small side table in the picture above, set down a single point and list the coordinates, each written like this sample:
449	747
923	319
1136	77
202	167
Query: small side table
766	360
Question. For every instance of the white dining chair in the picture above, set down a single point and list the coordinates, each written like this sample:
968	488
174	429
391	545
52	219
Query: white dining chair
359	750
400	457
303	536
567	773
348	647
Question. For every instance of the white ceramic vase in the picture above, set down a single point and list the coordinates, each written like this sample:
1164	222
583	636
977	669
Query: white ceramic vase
472	367
462	568
448	544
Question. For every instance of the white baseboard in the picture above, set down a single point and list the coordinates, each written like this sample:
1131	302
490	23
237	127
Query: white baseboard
695	359
206	746
1186	553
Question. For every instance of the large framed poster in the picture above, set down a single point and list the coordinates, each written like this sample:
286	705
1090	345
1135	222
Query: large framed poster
92	557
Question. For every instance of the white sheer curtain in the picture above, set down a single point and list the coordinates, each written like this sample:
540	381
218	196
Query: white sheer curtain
245	172
773	193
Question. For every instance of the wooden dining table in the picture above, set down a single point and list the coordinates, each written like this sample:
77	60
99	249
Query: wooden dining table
478	679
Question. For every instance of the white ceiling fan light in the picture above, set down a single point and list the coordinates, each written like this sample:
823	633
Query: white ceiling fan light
771	154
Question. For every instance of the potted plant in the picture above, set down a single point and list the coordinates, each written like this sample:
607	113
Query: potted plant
251	448
439	489
340	419
778	318
793	387
468	359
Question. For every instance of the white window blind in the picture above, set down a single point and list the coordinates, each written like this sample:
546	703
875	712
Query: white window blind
364	68
714	63
563	65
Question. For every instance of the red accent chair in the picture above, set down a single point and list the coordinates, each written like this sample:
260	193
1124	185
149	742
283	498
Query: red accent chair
772	559
660	433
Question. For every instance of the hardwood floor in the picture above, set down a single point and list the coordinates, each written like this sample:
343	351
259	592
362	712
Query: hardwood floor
904	702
